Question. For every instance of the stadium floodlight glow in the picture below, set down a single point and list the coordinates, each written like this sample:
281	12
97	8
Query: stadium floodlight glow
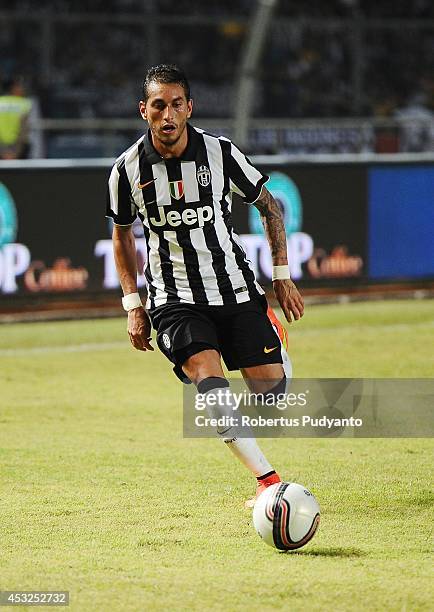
251	54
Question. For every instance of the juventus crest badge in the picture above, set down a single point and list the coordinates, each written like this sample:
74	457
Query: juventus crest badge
203	176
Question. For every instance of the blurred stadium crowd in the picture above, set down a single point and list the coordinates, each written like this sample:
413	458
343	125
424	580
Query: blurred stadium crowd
340	58
331	8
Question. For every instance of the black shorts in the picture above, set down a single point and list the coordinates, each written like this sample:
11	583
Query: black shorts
239	332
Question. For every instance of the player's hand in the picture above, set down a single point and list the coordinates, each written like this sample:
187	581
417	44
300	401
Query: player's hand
139	329
289	299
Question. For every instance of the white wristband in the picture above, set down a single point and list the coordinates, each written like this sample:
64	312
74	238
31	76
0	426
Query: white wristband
281	273
131	301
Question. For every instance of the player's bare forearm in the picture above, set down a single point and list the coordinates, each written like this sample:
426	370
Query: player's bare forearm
272	220
286	292
124	249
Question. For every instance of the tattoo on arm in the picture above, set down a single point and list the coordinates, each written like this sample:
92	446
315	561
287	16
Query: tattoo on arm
272	220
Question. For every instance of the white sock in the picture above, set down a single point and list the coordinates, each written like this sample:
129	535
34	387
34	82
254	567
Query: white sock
245	449
249	453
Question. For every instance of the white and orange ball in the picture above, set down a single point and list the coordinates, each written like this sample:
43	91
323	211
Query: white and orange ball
286	515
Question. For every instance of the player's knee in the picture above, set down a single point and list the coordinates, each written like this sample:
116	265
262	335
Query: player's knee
202	364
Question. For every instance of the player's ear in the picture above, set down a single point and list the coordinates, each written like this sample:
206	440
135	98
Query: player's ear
142	109
189	108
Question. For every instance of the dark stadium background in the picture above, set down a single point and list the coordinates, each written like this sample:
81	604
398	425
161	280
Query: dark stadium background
338	92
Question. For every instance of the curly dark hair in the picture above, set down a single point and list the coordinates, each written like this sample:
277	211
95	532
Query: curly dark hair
166	73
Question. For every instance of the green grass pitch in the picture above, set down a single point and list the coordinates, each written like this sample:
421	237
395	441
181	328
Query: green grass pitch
100	494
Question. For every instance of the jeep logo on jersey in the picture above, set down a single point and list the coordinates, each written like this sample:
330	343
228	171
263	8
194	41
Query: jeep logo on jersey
189	216
176	189
203	176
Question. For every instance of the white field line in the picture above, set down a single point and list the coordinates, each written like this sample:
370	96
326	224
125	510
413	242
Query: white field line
384	327
104	346
67	348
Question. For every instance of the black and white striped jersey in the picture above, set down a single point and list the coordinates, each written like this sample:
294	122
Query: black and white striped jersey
194	255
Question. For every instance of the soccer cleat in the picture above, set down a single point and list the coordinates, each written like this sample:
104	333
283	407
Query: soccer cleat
263	483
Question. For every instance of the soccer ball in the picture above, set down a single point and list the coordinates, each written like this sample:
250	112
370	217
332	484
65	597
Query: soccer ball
286	515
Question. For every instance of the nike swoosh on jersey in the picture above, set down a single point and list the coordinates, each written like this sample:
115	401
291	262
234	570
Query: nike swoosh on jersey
269	350
143	185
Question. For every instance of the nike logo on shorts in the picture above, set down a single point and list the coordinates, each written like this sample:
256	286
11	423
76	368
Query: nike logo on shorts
143	185
269	350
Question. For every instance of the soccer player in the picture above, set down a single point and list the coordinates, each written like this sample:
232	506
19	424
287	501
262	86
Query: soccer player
203	299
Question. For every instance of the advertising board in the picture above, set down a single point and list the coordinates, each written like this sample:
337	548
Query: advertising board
346	223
